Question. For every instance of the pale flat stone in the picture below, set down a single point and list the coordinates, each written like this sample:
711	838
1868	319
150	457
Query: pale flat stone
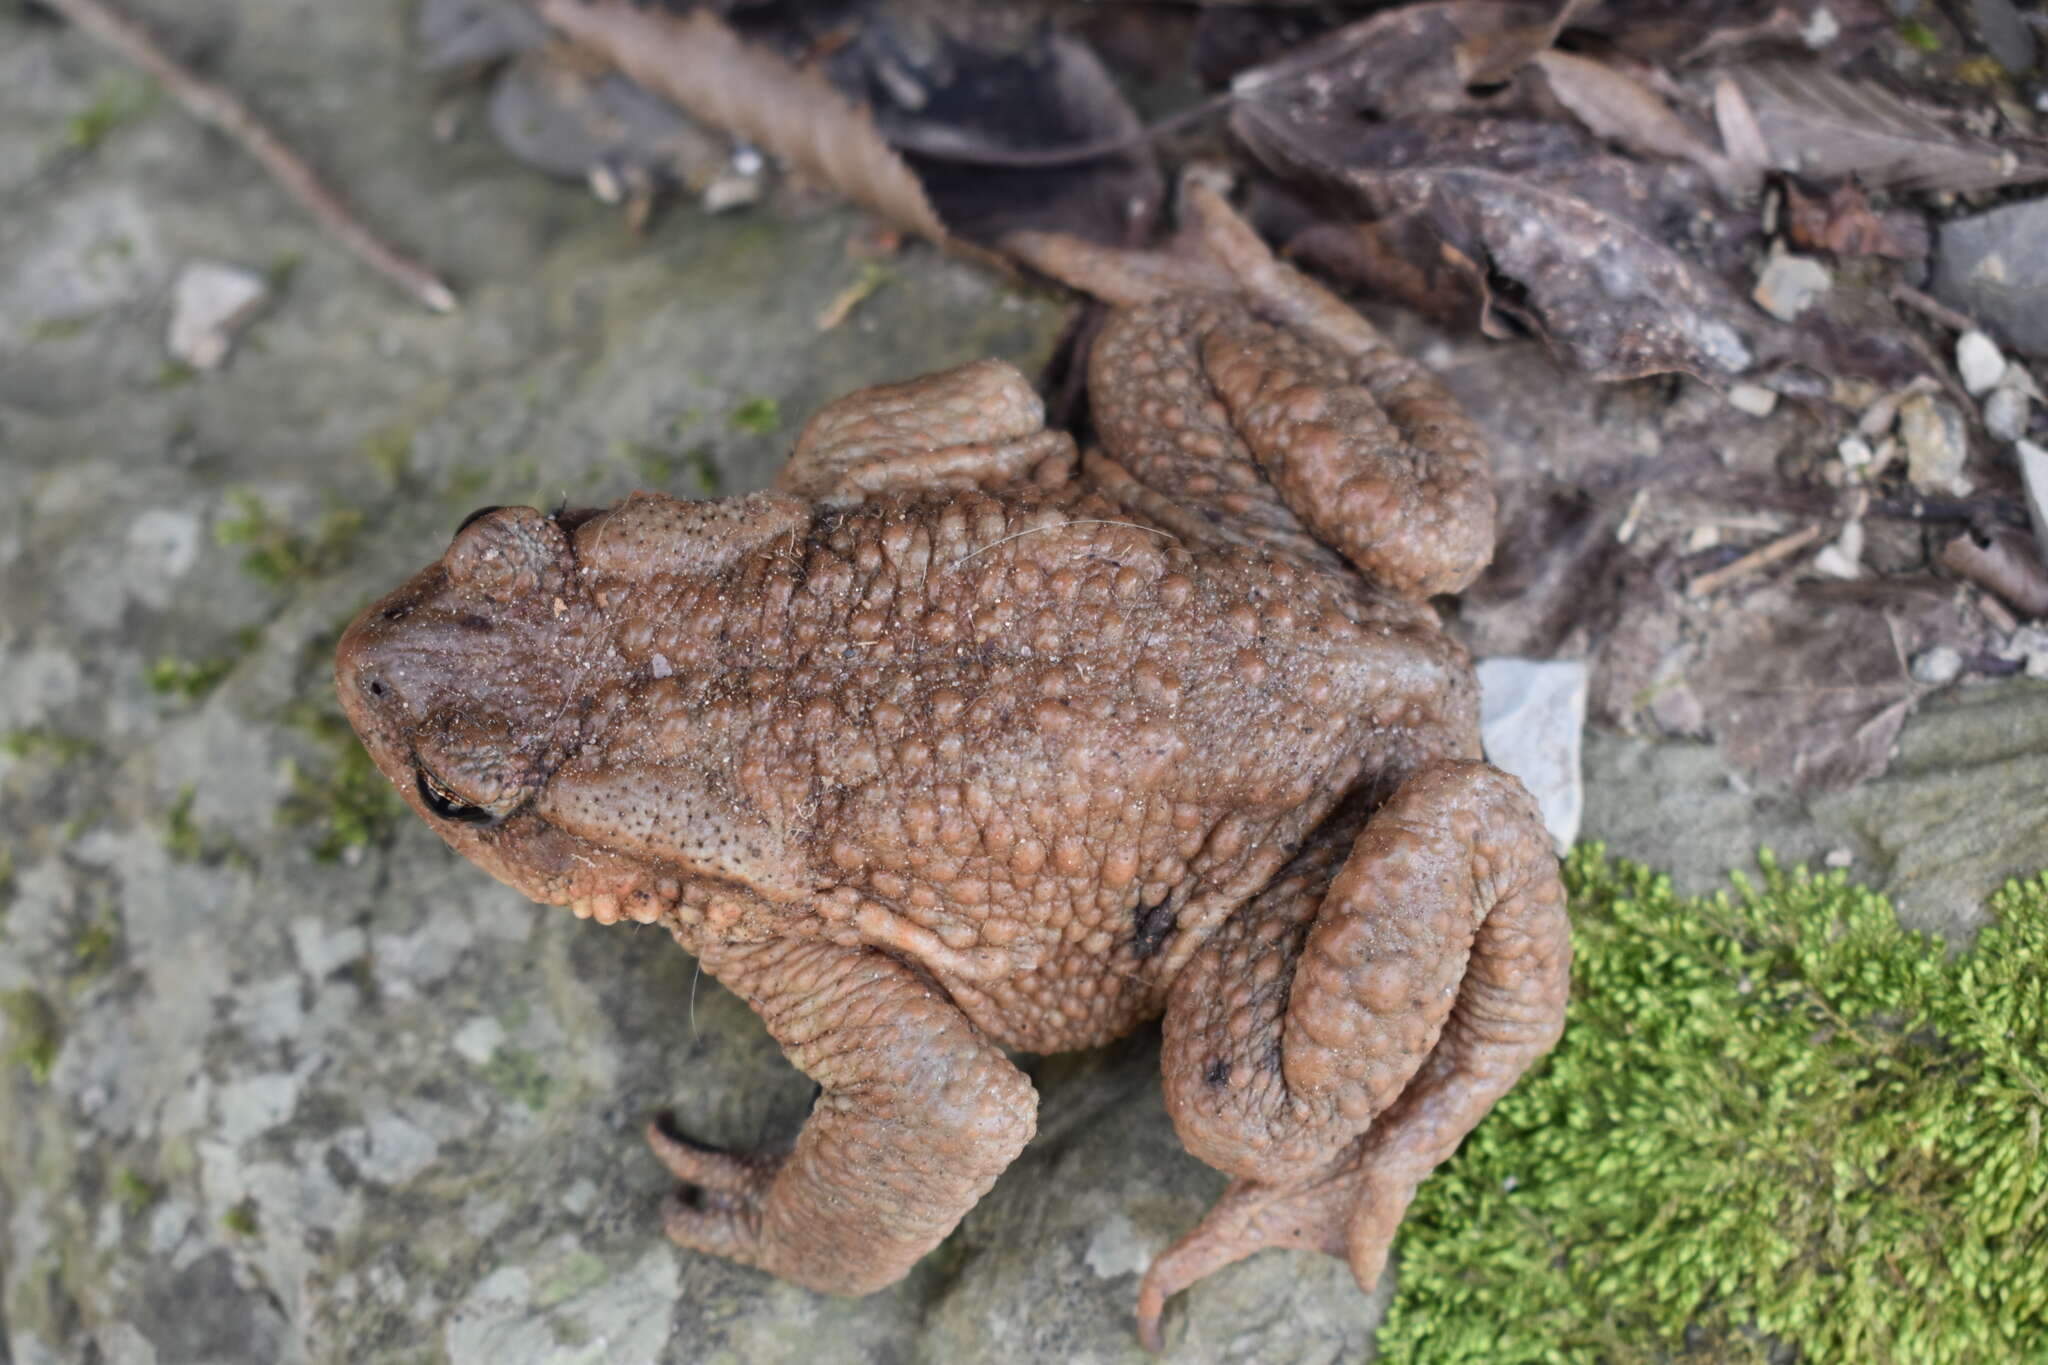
211	304
1532	714
1978	361
1789	284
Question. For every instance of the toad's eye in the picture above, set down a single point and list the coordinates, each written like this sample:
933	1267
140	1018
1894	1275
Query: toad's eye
446	803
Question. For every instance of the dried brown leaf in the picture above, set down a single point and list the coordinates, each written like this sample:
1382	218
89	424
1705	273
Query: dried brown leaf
1492	56
1846	224
1415	60
1621	109
1401	260
1741	139
754	94
1827	126
1809	687
1579	234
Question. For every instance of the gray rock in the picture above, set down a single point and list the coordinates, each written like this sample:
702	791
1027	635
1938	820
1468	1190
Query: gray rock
1531	715
1994	266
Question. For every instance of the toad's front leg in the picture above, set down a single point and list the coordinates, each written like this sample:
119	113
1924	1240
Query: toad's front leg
918	1115
1337	1038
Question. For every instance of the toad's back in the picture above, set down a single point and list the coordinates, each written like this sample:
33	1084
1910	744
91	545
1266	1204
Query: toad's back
1023	739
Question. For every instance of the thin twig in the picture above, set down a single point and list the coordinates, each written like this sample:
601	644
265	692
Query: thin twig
1763	557
215	104
1933	308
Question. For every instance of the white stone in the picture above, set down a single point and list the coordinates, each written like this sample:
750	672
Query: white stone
2006	413
211	304
1844	557
1937	443
1854	450
1531	717
1978	361
478	1039
1754	399
1789	284
2034	474
1937	666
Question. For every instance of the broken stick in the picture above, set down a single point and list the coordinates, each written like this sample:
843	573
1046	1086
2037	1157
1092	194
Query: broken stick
213	103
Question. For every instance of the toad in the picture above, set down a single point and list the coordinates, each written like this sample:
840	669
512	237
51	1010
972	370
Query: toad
958	741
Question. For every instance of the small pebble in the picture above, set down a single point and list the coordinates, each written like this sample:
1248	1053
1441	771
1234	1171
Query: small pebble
1843	558
211	304
1936	667
1854	450
2034	475
2030	644
1937	443
1754	399
1839	857
1978	361
2006	413
1789	284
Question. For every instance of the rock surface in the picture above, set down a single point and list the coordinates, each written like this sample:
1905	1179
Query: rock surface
1994	266
259	1105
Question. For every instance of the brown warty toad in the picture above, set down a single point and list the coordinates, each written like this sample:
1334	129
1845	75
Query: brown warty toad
958	741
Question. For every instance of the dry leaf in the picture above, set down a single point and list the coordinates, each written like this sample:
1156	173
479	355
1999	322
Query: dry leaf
1741	139
1621	109
1810	689
1399	259
754	94
1827	126
1409	61
1847	225
1578	233
990	122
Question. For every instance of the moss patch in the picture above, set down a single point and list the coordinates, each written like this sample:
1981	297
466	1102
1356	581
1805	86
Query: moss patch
278	554
345	803
33	1034
1776	1118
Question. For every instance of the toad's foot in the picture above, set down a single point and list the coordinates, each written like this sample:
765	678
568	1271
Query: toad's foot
916	1116
1330	1047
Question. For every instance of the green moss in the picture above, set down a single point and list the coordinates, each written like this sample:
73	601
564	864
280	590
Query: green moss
173	677
1918	35
94	949
240	1221
182	839
135	1193
694	467
517	1074
116	102
345	802
33	1034
758	416
278	554
1775	1118
43	742
389	451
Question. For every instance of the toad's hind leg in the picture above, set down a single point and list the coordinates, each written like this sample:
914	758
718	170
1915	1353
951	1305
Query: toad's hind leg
978	425
1329	1050
917	1115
